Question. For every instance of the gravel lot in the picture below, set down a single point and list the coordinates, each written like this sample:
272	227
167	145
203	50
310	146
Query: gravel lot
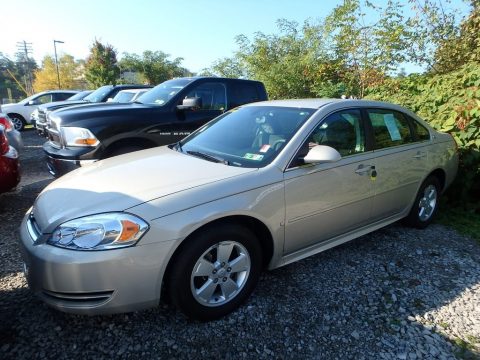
397	293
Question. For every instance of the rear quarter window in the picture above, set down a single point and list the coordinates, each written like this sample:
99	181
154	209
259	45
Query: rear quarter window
243	93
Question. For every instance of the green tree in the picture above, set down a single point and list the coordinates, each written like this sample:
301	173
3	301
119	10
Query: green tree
366	50
154	66
101	67
428	29
229	67
292	63
462	48
9	71
46	76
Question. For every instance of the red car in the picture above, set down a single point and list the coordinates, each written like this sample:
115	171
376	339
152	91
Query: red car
9	164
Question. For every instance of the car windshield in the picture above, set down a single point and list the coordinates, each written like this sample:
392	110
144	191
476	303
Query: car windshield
32	97
162	93
251	136
99	94
79	96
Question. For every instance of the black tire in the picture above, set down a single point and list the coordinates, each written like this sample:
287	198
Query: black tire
182	284
124	150
18	121
421	220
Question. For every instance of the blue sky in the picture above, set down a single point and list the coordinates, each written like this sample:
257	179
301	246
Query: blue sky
200	31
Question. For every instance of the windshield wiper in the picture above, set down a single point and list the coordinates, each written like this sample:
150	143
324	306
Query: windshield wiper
208	157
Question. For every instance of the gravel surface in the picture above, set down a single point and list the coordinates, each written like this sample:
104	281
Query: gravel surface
397	293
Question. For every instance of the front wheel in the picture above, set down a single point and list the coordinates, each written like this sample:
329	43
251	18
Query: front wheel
18	122
425	206
215	272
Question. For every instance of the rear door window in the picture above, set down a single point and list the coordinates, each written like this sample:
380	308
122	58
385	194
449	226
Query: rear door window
390	128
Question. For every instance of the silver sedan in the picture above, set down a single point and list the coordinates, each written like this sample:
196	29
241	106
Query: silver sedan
259	187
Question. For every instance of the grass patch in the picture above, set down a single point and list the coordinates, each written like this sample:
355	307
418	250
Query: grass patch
466	222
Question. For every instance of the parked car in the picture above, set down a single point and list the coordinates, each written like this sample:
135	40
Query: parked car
38	117
100	95
263	185
163	115
125	96
9	164
20	112
14	137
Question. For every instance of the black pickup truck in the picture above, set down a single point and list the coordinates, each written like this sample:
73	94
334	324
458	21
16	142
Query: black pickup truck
164	115
102	94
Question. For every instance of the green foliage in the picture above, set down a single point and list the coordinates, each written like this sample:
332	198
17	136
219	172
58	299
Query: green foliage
466	222
228	67
101	67
461	48
154	66
9	70
366	49
432	24
293	63
451	103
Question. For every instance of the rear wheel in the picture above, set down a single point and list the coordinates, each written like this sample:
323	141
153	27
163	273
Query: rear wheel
425	206
18	121
215	272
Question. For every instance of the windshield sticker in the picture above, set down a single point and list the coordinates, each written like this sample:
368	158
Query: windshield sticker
264	148
256	157
392	127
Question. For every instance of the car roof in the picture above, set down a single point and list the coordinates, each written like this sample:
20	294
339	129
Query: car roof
318	103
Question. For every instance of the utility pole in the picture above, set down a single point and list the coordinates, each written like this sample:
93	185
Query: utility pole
56	60
26	48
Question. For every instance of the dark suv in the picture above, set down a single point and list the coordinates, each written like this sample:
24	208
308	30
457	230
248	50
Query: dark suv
162	116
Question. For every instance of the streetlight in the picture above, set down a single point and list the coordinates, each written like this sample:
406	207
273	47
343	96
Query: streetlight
56	61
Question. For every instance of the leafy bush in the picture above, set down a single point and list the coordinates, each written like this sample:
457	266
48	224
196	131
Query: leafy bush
450	103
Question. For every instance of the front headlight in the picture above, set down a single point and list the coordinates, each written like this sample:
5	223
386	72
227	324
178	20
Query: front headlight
34	115
99	232
75	136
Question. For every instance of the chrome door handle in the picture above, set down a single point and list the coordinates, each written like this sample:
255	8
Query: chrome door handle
362	169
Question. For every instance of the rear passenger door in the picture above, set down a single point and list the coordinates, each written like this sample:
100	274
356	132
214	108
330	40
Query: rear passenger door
400	160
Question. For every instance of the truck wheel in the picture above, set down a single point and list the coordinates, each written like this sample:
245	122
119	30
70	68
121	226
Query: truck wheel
215	272
18	121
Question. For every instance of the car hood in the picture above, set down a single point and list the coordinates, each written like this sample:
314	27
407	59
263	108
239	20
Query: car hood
59	104
122	182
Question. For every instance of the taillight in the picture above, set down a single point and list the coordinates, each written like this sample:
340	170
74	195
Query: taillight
4	147
6	122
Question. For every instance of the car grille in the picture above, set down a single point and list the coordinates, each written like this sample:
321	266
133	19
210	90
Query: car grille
79	299
42	116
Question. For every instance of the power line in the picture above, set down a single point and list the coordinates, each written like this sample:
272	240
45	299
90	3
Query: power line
24	50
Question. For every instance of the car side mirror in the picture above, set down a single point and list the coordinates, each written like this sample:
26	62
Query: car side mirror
33	102
322	154
109	99
190	103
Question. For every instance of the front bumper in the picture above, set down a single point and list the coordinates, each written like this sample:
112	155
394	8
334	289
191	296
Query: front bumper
62	161
94	282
